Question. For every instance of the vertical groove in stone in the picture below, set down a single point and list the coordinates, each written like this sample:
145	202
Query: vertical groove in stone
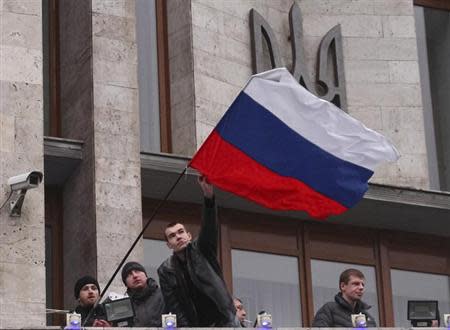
77	122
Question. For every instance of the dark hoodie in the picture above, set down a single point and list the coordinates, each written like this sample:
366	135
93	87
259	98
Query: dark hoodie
148	305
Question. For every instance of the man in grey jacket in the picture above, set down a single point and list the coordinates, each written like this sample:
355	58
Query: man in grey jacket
348	301
145	295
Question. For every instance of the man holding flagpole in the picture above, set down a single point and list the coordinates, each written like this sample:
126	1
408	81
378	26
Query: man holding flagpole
191	279
279	146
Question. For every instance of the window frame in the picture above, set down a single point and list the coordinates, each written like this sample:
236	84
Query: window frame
163	76
52	74
53	221
436	4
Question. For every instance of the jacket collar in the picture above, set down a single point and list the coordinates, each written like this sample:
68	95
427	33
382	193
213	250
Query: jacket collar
359	307
144	293
83	310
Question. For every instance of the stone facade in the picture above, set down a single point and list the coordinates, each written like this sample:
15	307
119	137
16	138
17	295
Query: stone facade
116	117
22	243
380	63
210	61
102	214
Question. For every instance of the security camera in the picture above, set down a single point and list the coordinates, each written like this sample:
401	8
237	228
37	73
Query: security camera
19	185
25	181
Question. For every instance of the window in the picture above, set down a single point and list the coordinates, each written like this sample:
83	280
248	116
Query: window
153	76
325	278
408	285
290	268
155	252
268	282
433	44
50	49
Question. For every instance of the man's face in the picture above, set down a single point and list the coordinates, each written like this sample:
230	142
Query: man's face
136	279
240	310
354	289
88	295
177	237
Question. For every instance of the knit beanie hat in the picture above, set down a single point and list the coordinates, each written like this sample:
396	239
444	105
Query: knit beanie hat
130	266
82	282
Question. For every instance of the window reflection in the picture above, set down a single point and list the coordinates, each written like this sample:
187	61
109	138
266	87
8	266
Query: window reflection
146	35
407	285
325	278
155	252
268	282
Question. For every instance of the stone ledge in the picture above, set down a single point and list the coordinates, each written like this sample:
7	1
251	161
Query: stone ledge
61	158
383	207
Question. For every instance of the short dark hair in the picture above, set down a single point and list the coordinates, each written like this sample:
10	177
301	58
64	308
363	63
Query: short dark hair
172	224
345	275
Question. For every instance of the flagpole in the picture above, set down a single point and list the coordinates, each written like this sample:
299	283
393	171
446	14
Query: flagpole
161	203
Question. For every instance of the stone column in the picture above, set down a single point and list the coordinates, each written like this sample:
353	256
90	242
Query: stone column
116	136
22	239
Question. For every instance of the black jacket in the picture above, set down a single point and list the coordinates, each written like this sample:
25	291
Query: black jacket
148	305
204	284
98	313
337	314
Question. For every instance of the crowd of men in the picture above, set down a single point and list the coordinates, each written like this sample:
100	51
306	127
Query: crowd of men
192	285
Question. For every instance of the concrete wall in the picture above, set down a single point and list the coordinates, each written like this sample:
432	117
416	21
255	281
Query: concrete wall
382	77
380	62
22	270
116	136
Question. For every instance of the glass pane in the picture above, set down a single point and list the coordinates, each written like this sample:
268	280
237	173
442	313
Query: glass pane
433	45
148	75
408	285
268	282
325	278
155	252
437	26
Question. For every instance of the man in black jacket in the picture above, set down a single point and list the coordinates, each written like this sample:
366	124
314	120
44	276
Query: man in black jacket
191	279
87	292
338	313
145	295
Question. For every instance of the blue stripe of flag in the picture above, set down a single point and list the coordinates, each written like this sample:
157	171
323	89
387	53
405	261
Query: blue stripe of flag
262	136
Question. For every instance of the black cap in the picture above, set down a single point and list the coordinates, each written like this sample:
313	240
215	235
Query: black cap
129	266
82	282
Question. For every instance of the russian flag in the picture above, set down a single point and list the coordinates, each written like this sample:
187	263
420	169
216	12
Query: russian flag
286	149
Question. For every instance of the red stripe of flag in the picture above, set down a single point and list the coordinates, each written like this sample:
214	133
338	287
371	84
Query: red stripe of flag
232	170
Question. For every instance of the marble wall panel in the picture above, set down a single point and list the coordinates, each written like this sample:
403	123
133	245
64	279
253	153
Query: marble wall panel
360	7
20	30
380	59
22	244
